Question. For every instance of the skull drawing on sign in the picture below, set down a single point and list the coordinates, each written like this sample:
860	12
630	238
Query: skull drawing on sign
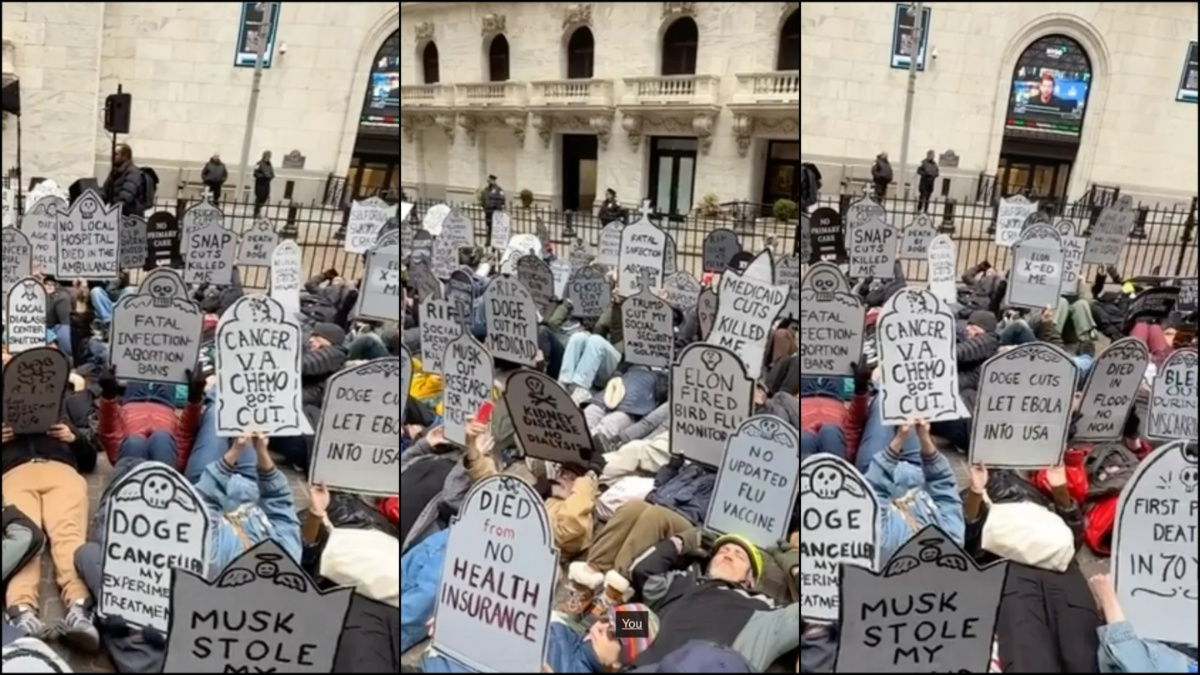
1188	477
826	482
157	491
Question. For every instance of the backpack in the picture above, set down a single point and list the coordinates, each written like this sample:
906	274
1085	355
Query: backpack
149	187
1109	466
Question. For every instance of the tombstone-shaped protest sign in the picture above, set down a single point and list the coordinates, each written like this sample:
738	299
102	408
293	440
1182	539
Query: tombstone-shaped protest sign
670	257
1035	279
589	293
422	248
519	246
1172	412
162	241
1107	236
34	383
357	445
1154	564
804	240
1010	216
432	222
439	325
295	627
512	321
1185	303
25	316
202	215
711	395
156	331
561	271
581	256
943	275
1073	246
460	291
787	273
468	375
367	217
839	523
500	562
643	247
209	254
421	280
609	244
31	655
649	330
931	609
258	369
17	258
379	297
681	291
548	424
1111	390
132	240
9	218
458	232
746	311
501	230
916	334
535	274
40	224
88	238
706	311
872	240
719	248
756	484
258	243
1023	409
286	276
916	237
405	378
828	237
155	520
831	323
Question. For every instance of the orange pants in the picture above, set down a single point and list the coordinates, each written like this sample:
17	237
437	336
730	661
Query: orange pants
54	496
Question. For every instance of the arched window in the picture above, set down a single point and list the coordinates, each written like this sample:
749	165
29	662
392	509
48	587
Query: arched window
789	44
498	60
429	60
580	54
382	107
679	48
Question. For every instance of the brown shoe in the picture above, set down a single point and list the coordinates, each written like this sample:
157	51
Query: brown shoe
577	601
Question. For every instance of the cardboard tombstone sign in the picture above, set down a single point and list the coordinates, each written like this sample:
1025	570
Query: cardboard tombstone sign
561	271
1035	279
747	307
407	234
25	316
154	521
643	249
467	376
1186	302
88	239
9	210
422	248
40	224
512	321
500	562
200	216
943	275
1023	409
839	523
286	277
548	424
460	291
649	330
519	246
535	274
294	626
258	370
156	331
209	255
706	311
931	609
405	378
379	297
439	326
162	241
132	244
1154	564
1108	235
916	237
1035	218
711	395
443	258
423	282
828	237
405	209
787	273
357	444
609	244
916	334
258	244
367	217
1073	246
1111	390
589	293
17	257
756	483
432	222
1172	399
457	233
831	323
719	248
872	241
581	256
34	383
670	257
31	655
45	188
681	291
501	230
1010	216
804	238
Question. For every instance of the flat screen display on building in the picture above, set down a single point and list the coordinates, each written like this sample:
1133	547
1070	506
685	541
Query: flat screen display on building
382	106
1050	88
1187	81
904	34
252	30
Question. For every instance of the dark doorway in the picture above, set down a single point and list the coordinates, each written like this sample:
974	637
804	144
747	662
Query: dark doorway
672	176
580	54
679	48
578	172
781	180
429	58
498	60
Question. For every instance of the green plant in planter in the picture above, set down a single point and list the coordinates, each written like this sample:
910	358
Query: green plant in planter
526	198
784	209
709	206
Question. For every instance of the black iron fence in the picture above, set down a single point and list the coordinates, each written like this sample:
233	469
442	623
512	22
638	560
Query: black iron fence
565	229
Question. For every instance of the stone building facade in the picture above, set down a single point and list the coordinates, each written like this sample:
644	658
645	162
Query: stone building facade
666	101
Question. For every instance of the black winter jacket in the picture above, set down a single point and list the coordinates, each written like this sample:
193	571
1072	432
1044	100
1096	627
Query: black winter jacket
315	368
124	186
80	455
684	489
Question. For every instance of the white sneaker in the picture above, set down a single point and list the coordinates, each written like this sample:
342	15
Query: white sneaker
582	573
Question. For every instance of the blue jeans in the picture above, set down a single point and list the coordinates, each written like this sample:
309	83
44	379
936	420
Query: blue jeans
209	447
875	438
62	333
830	438
102	305
589	361
159	447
